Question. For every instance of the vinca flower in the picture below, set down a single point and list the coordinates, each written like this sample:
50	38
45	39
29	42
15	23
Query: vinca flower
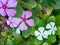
7	7
25	19
52	28
41	33
13	22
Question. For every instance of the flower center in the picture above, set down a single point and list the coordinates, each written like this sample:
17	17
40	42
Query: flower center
4	6
24	19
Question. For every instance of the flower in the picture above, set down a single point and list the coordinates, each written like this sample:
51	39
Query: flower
52	28
7	7
25	19
13	22
17	31
40	34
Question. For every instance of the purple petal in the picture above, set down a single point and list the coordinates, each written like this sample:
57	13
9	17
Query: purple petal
2	12
23	14
10	12
12	3
15	22
30	22
27	14
0	4
23	26
3	1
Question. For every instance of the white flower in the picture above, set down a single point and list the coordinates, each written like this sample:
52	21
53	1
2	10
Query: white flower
52	28
40	34
17	31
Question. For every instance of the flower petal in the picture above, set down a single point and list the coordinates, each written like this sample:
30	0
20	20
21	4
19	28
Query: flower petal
52	24
53	32
23	14
2	12
37	33
18	31
30	22
15	22
12	3
26	14
3	1
41	29
45	35
10	12
49	32
39	38
0	4
23	26
55	28
48	26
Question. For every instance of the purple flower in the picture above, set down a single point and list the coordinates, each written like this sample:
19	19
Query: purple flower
26	20
7	7
13	22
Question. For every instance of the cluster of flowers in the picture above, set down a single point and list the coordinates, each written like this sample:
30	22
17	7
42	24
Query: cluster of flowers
7	7
42	33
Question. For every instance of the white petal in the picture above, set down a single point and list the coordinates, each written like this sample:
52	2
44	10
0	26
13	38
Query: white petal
48	26
49	32
55	28
18	31
39	38
45	35
37	33
52	24
41	29
53	32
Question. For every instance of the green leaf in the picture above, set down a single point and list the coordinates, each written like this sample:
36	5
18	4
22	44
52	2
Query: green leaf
52	38
19	10
58	31
26	33
9	42
36	19
4	34
58	20
37	42
51	19
30	4
45	43
1	42
57	6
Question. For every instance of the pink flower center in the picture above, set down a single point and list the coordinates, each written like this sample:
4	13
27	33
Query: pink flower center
4	6
24	19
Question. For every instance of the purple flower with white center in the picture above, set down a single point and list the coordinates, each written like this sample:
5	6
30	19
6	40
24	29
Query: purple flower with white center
7	7
25	19
13	22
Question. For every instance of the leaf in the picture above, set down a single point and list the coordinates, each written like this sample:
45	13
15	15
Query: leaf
58	20
52	38
57	6
58	31
1	42
26	33
51	19
36	19
37	42
19	10
30	4
45	43
9	42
